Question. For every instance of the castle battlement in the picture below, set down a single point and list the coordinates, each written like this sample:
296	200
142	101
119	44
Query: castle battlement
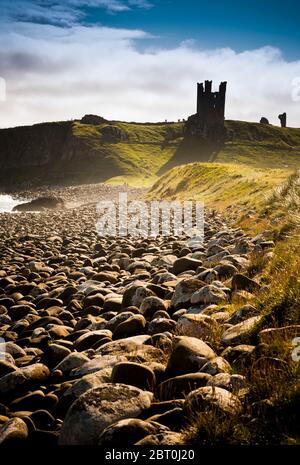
208	122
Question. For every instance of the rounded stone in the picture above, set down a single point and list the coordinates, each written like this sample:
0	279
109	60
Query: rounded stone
132	326
23	379
179	386
209	397
128	432
98	408
152	304
189	355
133	374
12	431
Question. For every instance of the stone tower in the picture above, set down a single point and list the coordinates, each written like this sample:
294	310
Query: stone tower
208	122
205	131
283	119
211	105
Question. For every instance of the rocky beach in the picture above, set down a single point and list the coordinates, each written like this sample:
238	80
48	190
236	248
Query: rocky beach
149	230
123	341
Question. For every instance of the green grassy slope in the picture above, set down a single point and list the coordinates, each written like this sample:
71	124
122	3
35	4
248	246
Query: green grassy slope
218	185
139	158
255	159
261	145
71	152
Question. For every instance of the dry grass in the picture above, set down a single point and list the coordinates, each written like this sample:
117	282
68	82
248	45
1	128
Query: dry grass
271	408
218	185
280	304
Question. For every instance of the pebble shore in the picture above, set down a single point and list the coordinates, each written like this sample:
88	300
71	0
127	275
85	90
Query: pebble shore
117	341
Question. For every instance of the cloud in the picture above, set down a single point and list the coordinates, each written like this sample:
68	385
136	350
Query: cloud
65	13
57	73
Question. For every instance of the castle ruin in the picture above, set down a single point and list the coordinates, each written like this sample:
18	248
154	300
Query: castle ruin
208	122
283	119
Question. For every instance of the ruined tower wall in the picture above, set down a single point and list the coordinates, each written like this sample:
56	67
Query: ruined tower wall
211	105
208	122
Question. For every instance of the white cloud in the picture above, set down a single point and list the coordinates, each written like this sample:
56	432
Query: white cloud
56	73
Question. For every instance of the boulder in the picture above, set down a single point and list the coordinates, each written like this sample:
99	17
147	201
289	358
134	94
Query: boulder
152	304
135	294
238	333
241	314
188	355
174	419
110	276
185	263
225	270
113	303
13	349
81	386
98	363
239	351
215	366
134	374
196	325
212	397
179	386
264	120
127	432
161	325
134	349
117	320
209	294
184	291
85	341
242	282
94	120
6	366
99	408
132	326
55	353
41	203
71	361
13	431
23	379
162	439
221	380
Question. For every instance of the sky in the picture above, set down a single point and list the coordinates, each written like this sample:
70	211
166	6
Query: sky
140	60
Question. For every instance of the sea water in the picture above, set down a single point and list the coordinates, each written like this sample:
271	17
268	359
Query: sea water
7	203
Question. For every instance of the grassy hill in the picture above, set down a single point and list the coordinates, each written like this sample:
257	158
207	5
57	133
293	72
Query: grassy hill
255	159
72	152
261	145
218	185
138	159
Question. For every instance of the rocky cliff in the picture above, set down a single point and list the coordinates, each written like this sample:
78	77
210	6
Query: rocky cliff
95	150
80	151
49	152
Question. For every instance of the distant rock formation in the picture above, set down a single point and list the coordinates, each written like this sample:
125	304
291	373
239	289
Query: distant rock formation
264	120
41	203
113	134
53	153
283	119
93	119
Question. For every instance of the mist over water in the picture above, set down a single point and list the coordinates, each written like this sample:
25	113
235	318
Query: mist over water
7	203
